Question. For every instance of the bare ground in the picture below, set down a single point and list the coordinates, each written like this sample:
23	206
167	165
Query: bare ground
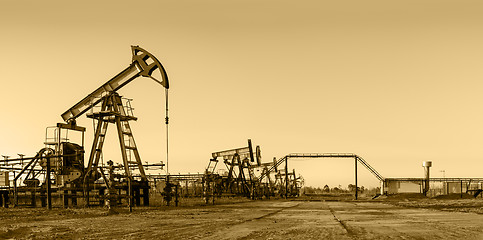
278	219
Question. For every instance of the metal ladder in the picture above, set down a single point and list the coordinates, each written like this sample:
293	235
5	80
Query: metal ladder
128	145
113	111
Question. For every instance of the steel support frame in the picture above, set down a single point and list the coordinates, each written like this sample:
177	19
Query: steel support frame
357	159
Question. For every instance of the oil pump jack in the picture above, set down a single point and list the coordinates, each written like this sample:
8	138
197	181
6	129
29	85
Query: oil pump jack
66	159
239	178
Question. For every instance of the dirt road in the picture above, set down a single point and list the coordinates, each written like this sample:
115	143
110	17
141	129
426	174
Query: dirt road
249	220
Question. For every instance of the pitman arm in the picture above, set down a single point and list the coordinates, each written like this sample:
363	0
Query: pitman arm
143	64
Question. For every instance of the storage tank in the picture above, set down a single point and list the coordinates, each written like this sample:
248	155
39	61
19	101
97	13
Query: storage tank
426	166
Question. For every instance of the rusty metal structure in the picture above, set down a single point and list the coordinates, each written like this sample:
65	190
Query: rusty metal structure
244	175
60	168
236	179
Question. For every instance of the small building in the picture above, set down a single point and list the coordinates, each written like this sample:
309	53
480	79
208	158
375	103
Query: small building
395	186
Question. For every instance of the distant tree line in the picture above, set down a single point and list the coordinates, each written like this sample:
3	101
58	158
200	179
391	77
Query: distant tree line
350	189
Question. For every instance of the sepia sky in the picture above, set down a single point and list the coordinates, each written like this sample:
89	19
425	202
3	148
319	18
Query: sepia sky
396	82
